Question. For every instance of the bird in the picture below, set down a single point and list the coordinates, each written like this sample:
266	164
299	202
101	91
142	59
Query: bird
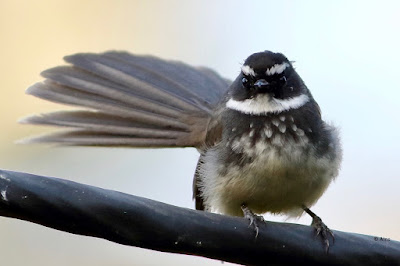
263	145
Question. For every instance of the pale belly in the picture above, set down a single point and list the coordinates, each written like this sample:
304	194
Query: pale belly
276	182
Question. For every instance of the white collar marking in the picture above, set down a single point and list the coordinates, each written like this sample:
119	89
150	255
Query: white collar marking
263	104
248	71
277	69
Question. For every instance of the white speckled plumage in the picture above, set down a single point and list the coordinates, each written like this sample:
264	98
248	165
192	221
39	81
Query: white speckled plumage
287	174
282	128
268	131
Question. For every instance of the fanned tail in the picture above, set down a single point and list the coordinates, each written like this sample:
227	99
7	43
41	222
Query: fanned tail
129	100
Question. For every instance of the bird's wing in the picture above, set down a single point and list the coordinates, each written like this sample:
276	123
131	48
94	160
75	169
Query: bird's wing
128	100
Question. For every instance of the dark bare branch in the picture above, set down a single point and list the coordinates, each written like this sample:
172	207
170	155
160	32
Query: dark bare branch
136	221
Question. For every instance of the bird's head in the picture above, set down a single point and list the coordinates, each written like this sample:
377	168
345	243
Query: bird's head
267	83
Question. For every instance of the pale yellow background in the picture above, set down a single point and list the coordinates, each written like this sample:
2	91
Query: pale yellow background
347	53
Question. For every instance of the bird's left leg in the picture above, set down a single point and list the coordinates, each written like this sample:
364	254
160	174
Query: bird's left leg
255	219
320	228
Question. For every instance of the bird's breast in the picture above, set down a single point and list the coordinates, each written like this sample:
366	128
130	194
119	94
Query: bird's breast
271	166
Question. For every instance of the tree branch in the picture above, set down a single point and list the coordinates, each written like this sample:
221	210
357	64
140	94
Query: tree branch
131	220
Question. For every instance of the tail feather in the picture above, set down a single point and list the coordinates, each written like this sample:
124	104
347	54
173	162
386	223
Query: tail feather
56	93
97	122
130	77
130	100
81	81
88	138
152	76
187	76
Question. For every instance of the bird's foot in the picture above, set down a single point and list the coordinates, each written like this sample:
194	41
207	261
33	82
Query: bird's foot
255	219
321	229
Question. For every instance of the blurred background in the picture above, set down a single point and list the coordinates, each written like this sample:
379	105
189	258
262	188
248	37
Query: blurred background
346	51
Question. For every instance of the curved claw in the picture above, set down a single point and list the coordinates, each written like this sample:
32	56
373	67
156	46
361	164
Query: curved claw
321	230
254	219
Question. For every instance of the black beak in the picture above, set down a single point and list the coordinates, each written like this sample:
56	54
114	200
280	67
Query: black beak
261	83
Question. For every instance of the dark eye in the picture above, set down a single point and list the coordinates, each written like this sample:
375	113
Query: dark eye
245	82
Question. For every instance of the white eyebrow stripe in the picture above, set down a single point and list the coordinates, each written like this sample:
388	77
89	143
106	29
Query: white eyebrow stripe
263	104
276	69
247	70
